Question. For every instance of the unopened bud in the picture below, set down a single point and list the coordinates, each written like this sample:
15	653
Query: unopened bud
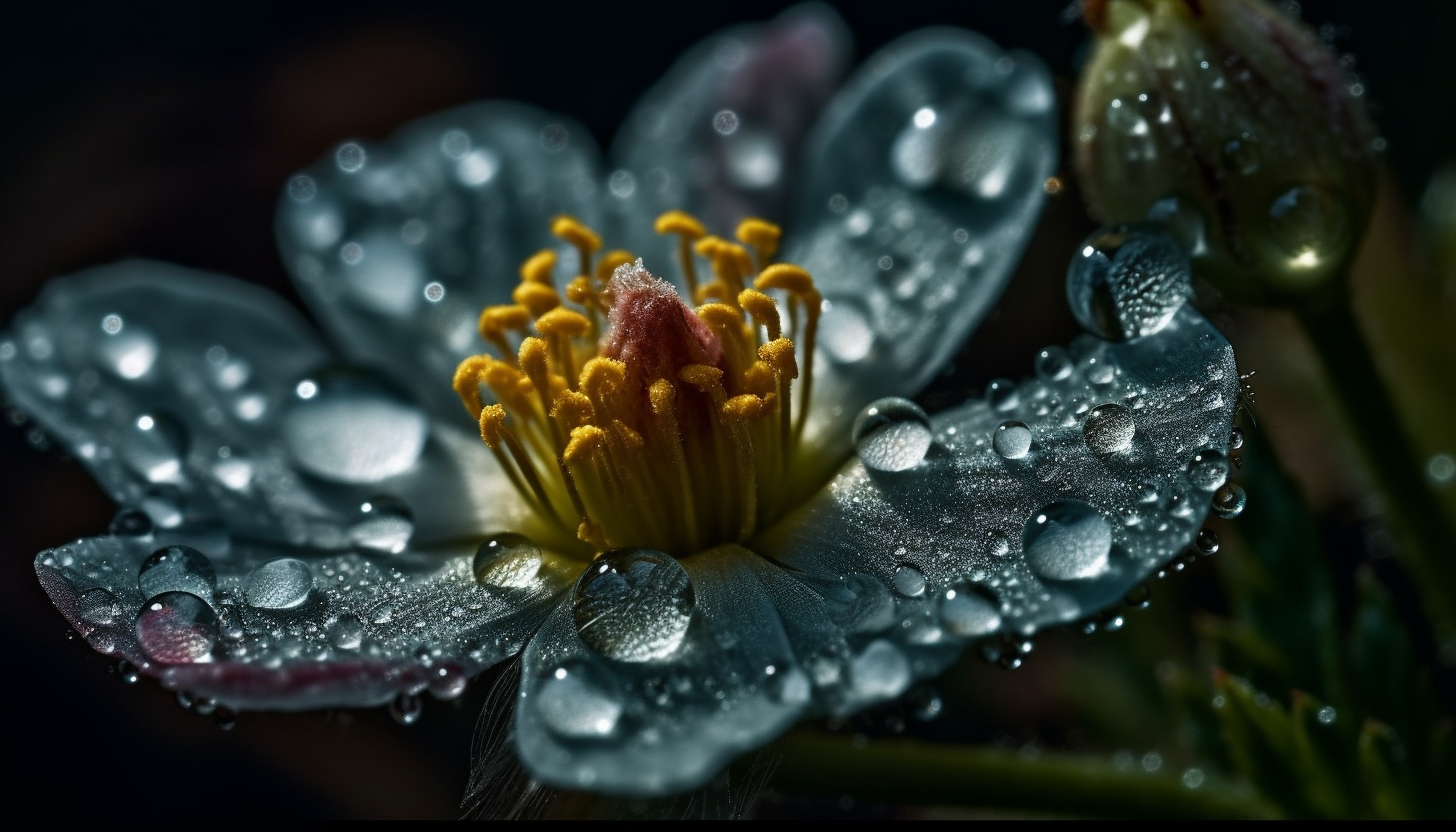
1236	127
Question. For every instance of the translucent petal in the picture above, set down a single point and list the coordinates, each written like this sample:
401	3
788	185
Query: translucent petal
272	628
398	246
720	134
646	728
971	543
924	182
182	393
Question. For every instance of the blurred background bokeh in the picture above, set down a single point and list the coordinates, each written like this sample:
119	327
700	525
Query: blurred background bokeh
166	132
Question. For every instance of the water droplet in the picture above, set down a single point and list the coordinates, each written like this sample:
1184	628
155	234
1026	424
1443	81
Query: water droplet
98	606
1053	364
967	612
845	332
1001	394
384	525
177	569
128	354
1141	596
554	138
1208	470
1011	440
130	522
434	292
634	605
881	672
346	632
448	681
1206	542
406	708
1308	223
1192	778
507	561
177	628
909	581
351	426
1229	500
279	584
302	189
725	122
1236	439
576	703
1326	715
1068	540
1441	469
155	447
127	672
1128	281
860	603
892	435
349	157
1108	428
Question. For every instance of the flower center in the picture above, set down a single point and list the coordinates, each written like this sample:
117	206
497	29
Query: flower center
635	419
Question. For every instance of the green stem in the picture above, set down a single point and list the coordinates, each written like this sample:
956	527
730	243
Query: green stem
1389	455
906	772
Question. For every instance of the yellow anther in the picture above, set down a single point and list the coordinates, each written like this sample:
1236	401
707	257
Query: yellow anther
759	379
661	395
492	425
733	261
720	315
763	309
761	234
581	292
745	407
716	289
787	277
629	438
539	298
701	376
601	379
576	232
538	267
498	320
585	441
679	222
563	322
468	375
708	246
572	410
611	261
779	354
533	357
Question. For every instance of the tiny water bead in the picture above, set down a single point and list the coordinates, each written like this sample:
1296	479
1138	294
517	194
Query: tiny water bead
351	426
383	525
892	434
130	522
177	569
507	561
1206	542
406	708
1011	440
1001	394
1229	500
1053	364
1236	439
177	628
1108	428
634	605
156	447
350	158
1128	281
346	632
278	584
1208	470
1068	540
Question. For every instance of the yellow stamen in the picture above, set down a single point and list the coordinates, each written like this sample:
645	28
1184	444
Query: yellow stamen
468	375
538	268
689	231
538	298
763	309
575	232
762	235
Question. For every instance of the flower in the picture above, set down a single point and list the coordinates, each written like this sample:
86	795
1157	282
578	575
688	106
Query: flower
304	531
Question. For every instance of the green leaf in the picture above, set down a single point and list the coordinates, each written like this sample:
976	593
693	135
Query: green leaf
1385	768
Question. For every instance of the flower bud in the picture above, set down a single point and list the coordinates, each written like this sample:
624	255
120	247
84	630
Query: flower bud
1238	128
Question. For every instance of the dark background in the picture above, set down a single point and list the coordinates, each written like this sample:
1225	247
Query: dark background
166	132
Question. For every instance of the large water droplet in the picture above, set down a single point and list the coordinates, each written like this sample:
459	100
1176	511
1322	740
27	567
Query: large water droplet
177	628
177	569
1128	281
966	613
845	332
1068	540
1208	470
1309	223
384	525
881	671
634	605
346	632
1108	428
576	704
507	561
155	447
350	426
279	584
892	435
129	353
1011	440
909	581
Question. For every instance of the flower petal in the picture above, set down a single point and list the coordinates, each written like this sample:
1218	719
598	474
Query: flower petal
398	246
264	627
720	134
586	721
925	179
182	393
992	536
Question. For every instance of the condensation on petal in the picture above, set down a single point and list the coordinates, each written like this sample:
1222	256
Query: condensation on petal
720	135
200	399
398	246
635	728
924	182
301	631
1013	545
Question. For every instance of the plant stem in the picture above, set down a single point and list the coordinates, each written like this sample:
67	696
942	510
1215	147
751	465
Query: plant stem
1390	457
903	771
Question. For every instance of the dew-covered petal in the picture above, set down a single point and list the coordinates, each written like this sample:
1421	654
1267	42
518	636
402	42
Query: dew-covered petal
924	181
720	134
662	726
203	400
397	246
981	537
262	627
